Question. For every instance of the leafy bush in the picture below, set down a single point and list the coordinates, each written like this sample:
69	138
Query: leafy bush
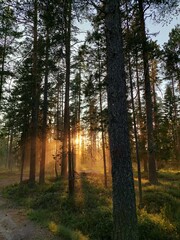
154	201
46	200
66	233
101	223
21	193
41	216
169	175
174	192
156	227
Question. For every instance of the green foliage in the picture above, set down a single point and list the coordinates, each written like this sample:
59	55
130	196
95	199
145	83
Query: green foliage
154	226
41	216
17	192
171	53
154	201
23	194
45	200
169	175
66	233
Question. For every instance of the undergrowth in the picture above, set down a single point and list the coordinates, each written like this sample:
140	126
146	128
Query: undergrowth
88	213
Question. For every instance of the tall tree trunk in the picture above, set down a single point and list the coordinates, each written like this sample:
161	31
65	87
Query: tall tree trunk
45	110
140	119
134	117
59	124
155	119
67	156
2	67
154	78
124	207
93	137
68	66
101	120
135	133
57	130
34	119
65	159
78	126
103	145
149	114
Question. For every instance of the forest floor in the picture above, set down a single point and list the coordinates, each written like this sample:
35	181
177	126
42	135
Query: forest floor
87	214
14	224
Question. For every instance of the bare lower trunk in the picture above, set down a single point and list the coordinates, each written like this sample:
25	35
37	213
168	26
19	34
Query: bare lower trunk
10	150
124	207
23	153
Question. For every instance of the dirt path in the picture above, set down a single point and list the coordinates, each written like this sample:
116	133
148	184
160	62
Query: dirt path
14	224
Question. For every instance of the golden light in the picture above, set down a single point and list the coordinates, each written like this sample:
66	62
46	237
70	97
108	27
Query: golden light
78	140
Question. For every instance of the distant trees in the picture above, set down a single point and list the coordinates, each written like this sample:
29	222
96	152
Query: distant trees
172	73
8	40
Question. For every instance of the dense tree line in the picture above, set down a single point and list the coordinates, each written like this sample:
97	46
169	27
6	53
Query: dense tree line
70	105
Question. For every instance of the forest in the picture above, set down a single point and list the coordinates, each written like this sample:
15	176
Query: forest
90	117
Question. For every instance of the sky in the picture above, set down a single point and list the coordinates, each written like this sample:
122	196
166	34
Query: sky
163	35
162	30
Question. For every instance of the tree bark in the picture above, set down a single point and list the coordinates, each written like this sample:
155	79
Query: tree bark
34	119
148	98
67	159
101	120
23	150
124	207
45	110
143	153
134	118
2	66
64	163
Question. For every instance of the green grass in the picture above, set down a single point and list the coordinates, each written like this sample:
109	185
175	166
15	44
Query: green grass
88	214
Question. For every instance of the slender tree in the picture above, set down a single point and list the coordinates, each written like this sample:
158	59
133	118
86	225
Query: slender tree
149	113
34	119
67	160
45	101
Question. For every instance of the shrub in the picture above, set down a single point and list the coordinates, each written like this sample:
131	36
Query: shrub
155	227
154	201
46	200
66	233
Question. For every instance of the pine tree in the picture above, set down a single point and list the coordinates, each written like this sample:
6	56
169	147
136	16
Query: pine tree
8	41
124	209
